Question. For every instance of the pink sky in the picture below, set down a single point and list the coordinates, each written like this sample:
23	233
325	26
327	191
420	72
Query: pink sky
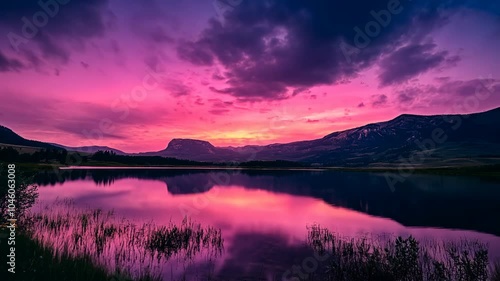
72	92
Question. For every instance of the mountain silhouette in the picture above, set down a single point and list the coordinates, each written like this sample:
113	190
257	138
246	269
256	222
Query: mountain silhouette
438	140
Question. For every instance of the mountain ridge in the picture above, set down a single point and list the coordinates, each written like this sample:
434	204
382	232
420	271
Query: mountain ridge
467	135
381	141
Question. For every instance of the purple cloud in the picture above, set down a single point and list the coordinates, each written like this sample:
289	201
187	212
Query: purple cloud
269	46
411	60
378	100
54	29
7	64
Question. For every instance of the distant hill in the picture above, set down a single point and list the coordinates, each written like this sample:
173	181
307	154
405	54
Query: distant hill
7	136
91	149
196	150
447	140
467	138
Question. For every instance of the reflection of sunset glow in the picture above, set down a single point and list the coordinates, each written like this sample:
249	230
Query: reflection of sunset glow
233	208
240	197
238	210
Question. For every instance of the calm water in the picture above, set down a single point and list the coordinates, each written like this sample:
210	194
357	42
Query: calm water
263	215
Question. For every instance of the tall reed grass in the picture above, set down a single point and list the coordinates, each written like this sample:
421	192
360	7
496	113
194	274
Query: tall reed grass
400	259
118	245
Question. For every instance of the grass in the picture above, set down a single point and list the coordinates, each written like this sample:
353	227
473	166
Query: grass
70	244
34	262
400	259
115	245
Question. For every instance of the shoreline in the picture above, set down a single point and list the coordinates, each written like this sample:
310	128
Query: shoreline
480	170
487	170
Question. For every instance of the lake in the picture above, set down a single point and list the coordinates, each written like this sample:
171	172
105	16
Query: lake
264	215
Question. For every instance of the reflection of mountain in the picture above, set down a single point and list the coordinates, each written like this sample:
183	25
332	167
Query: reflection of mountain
422	200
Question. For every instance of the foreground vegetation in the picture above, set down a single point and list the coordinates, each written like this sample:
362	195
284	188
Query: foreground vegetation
36	262
61	242
117	245
400	259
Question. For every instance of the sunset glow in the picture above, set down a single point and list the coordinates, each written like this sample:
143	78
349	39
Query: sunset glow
155	71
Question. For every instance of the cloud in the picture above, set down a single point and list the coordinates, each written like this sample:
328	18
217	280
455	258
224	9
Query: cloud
268	47
195	53
219	111
361	105
407	96
218	76
52	50
378	100
82	119
54	30
7	64
411	60
220	107
177	88
470	87
158	35
447	92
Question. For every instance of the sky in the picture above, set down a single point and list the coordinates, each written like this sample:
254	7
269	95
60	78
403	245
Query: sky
135	74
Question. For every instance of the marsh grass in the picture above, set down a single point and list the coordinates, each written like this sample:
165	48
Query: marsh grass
400	259
121	247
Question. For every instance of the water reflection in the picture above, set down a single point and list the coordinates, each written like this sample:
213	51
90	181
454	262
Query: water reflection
423	200
263	215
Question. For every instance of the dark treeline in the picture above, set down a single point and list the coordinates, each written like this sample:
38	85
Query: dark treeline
64	157
9	154
110	156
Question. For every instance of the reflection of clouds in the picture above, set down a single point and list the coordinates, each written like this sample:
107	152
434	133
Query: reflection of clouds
263	214
362	192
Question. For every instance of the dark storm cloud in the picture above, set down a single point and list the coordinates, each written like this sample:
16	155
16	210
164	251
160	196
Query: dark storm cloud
411	60
53	26
269	46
